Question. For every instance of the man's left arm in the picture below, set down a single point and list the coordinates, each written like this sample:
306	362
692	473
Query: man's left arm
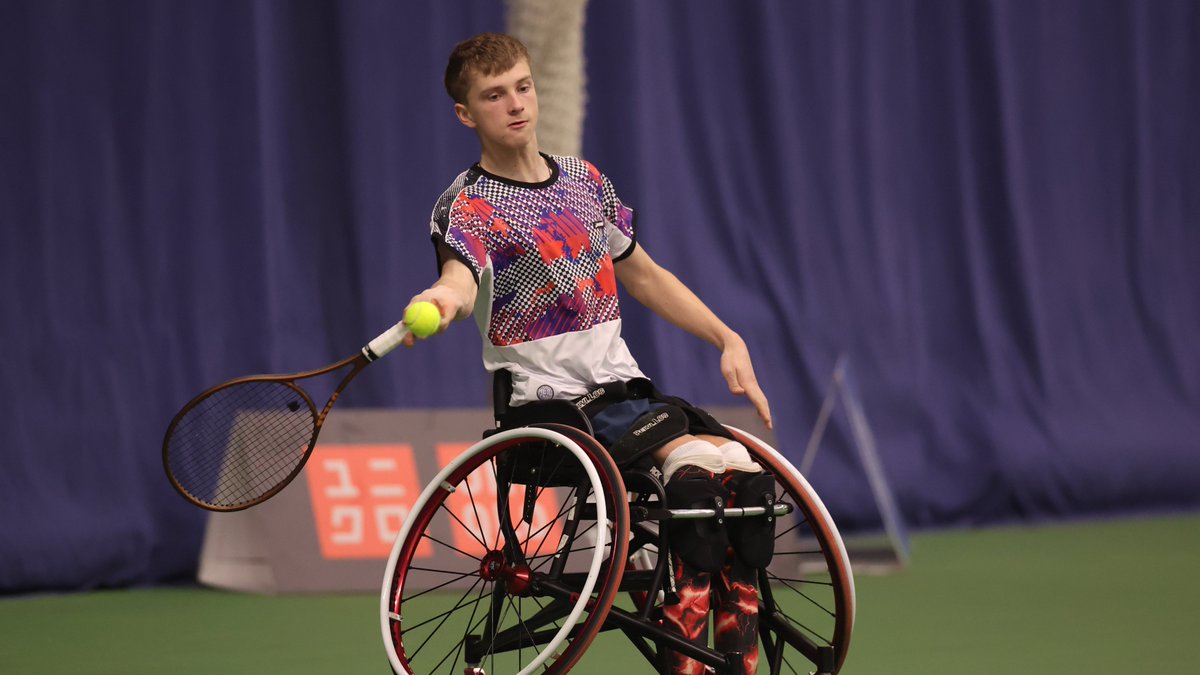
667	296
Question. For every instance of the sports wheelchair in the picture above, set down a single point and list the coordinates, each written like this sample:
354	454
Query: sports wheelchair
555	545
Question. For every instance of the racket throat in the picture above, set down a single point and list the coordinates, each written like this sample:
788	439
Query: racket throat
325	411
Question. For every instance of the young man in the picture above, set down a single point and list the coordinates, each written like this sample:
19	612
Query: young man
533	245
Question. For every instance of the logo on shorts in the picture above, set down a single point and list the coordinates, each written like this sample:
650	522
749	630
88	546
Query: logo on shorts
545	392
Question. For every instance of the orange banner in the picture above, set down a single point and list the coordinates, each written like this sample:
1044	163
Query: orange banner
361	495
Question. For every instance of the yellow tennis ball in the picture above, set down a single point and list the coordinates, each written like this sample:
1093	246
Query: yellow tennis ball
423	318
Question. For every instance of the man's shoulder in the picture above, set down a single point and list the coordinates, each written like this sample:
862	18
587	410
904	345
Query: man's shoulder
460	184
577	168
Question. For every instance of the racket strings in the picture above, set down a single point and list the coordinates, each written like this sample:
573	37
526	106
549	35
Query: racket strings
237	444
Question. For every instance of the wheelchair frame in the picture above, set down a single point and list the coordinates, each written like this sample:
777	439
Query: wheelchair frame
573	596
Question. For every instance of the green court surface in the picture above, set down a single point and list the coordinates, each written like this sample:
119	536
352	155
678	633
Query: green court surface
1119	596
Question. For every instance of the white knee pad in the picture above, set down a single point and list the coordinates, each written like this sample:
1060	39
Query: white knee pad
695	453
737	458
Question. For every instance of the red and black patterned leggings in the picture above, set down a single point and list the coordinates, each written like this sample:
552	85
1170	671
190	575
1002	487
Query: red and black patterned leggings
736	610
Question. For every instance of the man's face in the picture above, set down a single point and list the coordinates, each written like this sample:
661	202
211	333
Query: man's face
502	108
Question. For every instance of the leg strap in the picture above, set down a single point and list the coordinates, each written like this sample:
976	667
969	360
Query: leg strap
648	433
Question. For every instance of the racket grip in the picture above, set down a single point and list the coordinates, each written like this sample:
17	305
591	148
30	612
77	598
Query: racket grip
386	342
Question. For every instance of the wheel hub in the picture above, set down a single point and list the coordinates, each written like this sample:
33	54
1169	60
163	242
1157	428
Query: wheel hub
491	564
495	567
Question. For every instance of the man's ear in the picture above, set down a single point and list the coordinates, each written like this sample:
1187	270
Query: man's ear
464	115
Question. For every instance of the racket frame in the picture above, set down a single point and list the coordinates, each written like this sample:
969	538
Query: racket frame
376	349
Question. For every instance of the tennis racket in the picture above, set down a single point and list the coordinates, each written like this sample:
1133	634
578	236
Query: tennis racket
239	443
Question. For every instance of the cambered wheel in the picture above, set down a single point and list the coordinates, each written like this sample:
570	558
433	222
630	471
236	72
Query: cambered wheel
532	516
806	595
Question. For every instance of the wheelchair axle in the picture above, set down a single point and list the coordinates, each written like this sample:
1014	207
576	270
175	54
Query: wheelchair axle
518	579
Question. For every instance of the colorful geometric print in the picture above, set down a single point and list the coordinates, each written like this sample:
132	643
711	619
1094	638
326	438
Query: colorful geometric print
618	214
548	247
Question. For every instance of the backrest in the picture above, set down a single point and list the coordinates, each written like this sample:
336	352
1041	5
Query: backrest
556	411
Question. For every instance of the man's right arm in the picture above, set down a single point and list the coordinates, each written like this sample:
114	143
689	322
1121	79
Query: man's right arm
453	293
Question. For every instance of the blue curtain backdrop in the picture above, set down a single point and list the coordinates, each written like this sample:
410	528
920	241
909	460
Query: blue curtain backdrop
992	207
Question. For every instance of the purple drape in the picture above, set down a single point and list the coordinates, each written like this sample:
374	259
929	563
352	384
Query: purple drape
990	206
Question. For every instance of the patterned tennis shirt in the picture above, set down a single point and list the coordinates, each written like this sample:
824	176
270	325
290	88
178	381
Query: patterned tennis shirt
542	254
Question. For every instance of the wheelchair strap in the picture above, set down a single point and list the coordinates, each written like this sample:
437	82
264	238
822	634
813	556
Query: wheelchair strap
604	395
669	418
648	433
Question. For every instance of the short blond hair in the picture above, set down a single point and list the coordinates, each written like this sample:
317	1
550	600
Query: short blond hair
484	54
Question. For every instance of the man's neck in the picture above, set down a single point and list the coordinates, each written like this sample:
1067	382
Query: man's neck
525	165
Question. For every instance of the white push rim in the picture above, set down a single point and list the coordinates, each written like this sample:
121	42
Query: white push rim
385	616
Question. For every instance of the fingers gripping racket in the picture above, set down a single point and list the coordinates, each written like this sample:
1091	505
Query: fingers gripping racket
241	442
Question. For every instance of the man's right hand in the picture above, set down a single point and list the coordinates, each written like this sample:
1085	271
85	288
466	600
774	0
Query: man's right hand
453	294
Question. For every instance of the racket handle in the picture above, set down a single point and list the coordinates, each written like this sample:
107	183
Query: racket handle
386	342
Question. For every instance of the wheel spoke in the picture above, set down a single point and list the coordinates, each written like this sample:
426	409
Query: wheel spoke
479	537
452	548
444	616
804	595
